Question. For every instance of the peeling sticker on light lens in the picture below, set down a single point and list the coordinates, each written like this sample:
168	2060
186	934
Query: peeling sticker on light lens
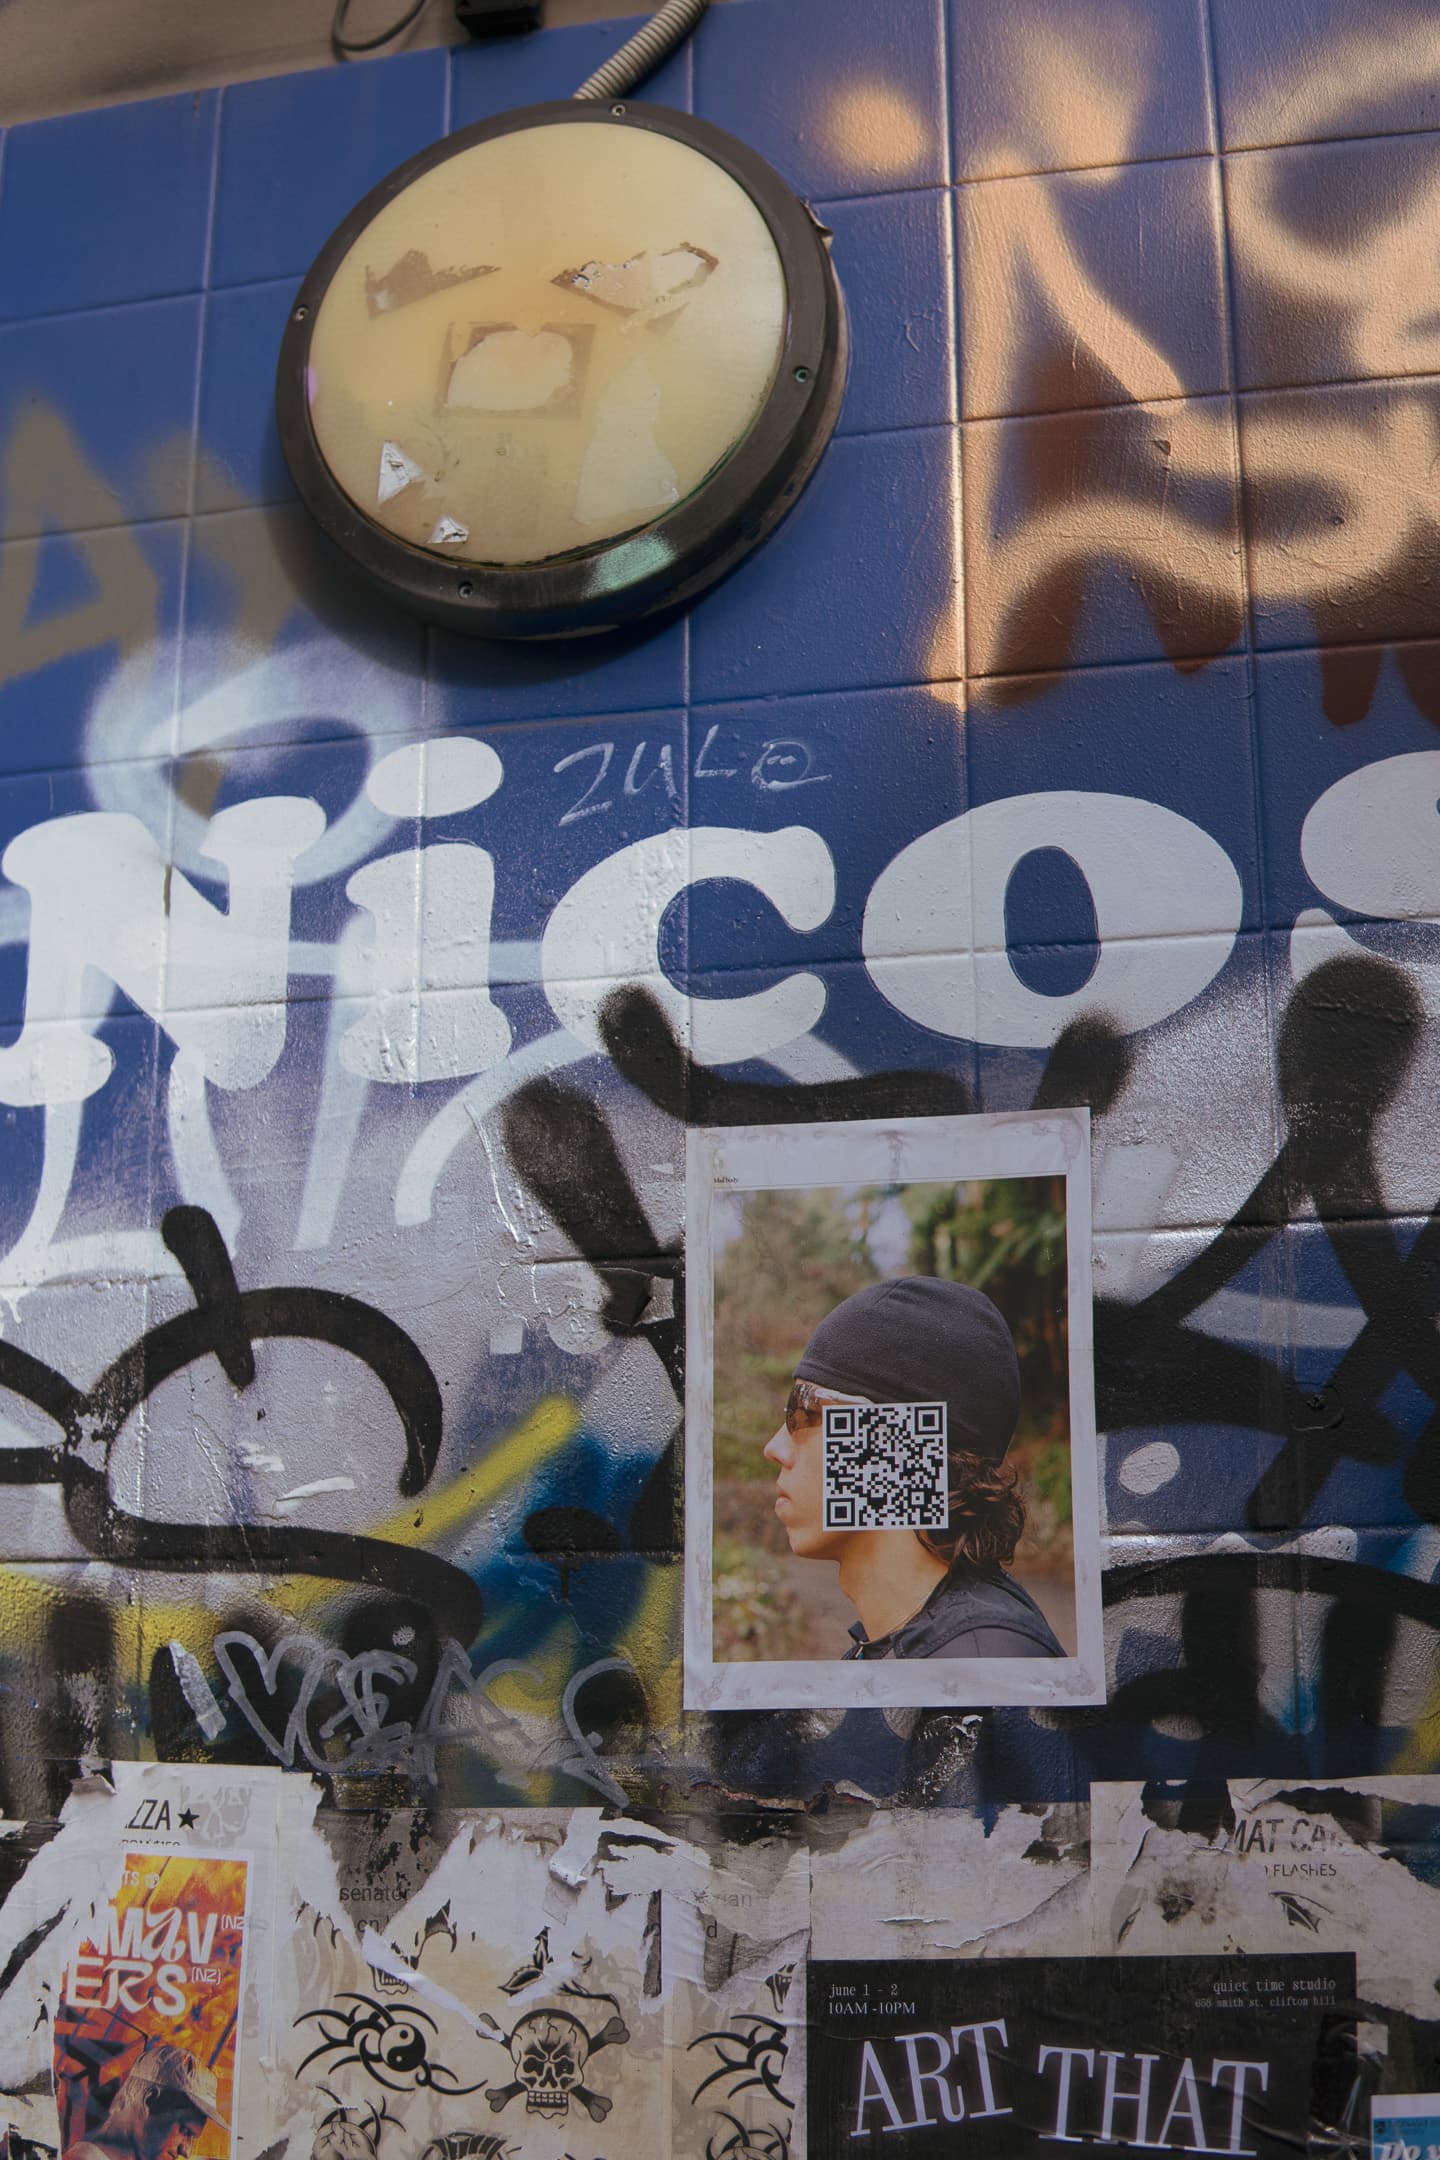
397	472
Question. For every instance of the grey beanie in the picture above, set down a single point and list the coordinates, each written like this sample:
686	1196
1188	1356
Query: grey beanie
918	1339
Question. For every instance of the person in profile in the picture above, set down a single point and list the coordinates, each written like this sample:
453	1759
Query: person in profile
158	2112
918	1593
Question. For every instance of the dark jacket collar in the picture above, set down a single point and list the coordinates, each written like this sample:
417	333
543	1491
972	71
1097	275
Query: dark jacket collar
960	1602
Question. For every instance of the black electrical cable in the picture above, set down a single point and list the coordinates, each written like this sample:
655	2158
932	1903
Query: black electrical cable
343	44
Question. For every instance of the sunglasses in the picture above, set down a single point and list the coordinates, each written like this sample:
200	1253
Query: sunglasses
805	1406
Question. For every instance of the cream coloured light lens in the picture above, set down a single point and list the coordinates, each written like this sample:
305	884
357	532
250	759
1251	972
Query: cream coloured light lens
545	342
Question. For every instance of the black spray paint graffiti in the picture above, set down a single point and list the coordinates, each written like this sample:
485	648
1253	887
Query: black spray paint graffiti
425	1603
226	1323
1349	1037
562	1147
370	1701
551	1132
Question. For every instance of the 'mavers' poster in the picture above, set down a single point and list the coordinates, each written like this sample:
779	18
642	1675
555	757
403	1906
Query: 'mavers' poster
146	2035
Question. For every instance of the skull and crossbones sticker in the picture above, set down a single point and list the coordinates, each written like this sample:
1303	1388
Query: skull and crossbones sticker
551	2049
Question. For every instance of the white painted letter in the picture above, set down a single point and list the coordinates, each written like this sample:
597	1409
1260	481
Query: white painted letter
103	896
605	934
431	1016
1167	901
1372	841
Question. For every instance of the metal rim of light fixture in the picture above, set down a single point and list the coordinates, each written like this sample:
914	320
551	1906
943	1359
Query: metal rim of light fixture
707	533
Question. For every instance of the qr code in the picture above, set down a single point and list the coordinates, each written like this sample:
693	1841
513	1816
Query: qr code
885	1466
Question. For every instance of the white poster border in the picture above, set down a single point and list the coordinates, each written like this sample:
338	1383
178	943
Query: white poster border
897	1151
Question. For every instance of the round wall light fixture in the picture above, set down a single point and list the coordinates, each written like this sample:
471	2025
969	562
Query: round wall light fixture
563	369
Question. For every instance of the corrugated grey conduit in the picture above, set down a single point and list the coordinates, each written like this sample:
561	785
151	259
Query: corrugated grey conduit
645	51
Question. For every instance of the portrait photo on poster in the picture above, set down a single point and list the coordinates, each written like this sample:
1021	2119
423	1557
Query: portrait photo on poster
891	1486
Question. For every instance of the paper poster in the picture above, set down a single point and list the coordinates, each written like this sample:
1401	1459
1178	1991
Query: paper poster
1248	1865
137	1943
147	2029
1215	2055
950	1882
891	1492
1405	2126
471	1997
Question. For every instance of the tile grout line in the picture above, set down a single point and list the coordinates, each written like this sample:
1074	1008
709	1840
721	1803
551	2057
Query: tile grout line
1227	298
926	685
1248	393
430	701
950	271
427	680
1323	142
1190	157
119	524
1395	380
187	549
687	752
687	619
119	307
1045	680
187	534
